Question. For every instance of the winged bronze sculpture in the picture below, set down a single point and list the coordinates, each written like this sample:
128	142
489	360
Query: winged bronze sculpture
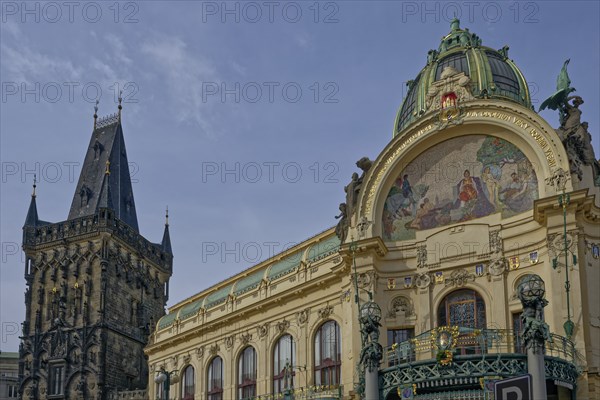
560	98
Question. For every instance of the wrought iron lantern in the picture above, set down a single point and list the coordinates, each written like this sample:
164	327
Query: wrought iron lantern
166	379
370	312
532	288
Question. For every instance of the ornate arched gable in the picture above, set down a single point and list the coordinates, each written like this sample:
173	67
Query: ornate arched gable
450	170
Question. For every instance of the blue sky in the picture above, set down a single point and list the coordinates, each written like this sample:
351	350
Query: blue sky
245	118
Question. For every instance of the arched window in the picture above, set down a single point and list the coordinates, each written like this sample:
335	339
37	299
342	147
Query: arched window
215	379
284	354
328	358
247	374
188	386
464	308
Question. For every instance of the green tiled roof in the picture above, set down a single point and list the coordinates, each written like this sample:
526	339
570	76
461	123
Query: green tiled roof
285	266
323	248
249	282
190	309
217	297
167	320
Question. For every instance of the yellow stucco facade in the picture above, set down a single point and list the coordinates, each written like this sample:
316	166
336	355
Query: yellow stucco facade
442	252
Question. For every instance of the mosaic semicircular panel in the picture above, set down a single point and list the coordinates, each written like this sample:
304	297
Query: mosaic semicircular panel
459	180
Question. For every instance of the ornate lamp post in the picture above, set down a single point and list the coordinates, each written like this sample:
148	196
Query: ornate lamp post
559	181
166	379
371	352
563	201
535	330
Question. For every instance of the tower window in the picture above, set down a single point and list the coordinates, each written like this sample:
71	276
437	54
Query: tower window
56	378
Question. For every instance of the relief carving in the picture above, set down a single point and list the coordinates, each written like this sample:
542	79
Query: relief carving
459	278
302	316
200	353
401	305
214	349
245	338
262	330
283	326
325	312
421	256
423	281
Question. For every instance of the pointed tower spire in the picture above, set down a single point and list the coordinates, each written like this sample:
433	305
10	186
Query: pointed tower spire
166	240
106	144
32	214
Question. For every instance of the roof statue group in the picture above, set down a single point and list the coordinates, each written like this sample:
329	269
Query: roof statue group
352	191
573	133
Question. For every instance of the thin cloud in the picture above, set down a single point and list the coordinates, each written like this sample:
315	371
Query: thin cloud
184	74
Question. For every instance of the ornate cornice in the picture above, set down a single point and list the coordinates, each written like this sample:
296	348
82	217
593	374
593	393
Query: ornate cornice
579	199
371	246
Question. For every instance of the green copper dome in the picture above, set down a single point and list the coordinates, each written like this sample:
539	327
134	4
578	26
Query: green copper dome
492	74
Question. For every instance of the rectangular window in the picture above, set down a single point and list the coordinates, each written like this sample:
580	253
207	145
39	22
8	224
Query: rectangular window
517	330
404	351
12	391
56	380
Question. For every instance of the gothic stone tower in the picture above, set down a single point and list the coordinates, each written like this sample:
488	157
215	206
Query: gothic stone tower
95	285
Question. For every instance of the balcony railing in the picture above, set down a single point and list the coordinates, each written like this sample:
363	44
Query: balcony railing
323	392
473	356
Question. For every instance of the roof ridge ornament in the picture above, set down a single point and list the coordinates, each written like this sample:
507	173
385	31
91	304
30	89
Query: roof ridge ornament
34	185
120	106
96	113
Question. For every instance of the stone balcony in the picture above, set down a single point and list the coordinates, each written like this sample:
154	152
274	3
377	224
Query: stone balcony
475	358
